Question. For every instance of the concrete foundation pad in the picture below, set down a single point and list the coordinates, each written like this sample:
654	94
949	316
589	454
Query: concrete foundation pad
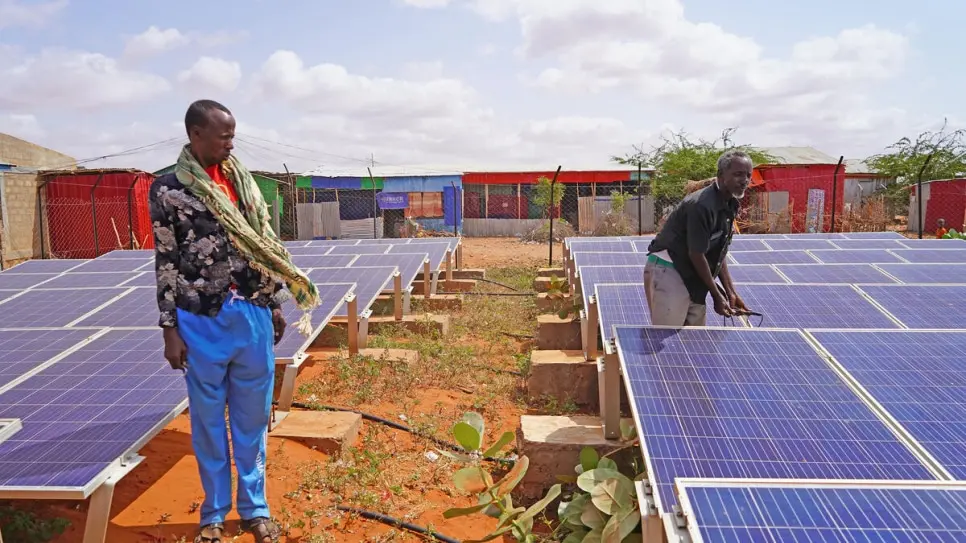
468	273
415	323
551	272
563	375
457	285
545	304
554	333
553	445
440	302
326	431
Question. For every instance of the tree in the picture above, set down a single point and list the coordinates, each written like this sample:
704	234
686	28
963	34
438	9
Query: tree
542	196
678	160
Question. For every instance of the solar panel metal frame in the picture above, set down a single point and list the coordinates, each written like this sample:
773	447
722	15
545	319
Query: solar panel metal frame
127	254
654	494
772	267
905	255
608	335
687	508
854	287
915	265
587	293
310	250
817	254
67	277
297	259
417	249
115	265
105	310
363	305
889	234
28	280
122	291
861	288
891	243
736	258
406	284
577	265
807	244
930	243
300	355
780	269
61	265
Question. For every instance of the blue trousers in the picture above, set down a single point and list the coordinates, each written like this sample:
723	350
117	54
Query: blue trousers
231	362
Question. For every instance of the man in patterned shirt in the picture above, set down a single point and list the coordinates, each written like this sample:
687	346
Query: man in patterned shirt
220	319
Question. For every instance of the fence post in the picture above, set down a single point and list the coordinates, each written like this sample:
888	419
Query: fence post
374	209
130	212
40	215
919	197
640	201
94	213
835	186
553	184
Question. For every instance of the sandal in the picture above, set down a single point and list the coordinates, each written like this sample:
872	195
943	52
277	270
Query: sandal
211	533
264	530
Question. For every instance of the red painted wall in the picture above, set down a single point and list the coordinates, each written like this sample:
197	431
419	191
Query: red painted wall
530	178
797	180
70	212
947	200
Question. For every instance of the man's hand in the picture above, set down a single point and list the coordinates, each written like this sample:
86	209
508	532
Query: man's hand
722	306
175	351
278	322
737	304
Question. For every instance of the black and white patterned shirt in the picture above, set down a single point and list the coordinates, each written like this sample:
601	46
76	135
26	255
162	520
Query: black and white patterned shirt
195	262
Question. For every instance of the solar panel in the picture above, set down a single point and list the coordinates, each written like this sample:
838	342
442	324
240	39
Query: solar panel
24	350
310	250
641	246
931	256
128	254
798	244
869	244
324	261
592	245
933	243
297	243
813	306
621	304
772	257
750	403
38	308
451	242
740	244
4	294
293	344
595	275
918	377
370	282
436	251
754	273
873	235
840	274
88	280
137	308
45	266
141	279
20	281
741	511
120	265
410	265
101	402
359	250
912	273
855	256
331	242
921	306
582	259
815	235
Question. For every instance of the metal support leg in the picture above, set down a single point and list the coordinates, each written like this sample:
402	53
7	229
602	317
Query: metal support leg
434	287
449	266
364	330
590	349
609	384
427	280
99	508
397	299
408	301
352	324
287	393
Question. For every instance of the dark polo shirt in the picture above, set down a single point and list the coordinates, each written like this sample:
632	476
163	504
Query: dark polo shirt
702	222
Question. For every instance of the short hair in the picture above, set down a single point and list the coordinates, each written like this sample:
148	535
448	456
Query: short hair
197	114
727	157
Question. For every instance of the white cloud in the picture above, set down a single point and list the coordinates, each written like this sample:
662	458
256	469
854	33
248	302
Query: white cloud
72	80
219	38
154	41
16	13
21	125
426	4
212	75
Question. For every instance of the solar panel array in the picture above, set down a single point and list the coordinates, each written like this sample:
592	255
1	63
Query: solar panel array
81	359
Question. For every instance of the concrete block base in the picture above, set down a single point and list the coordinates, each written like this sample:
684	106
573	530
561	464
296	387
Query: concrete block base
426	323
329	432
551	272
457	285
467	273
553	445
546	305
554	333
440	302
563	375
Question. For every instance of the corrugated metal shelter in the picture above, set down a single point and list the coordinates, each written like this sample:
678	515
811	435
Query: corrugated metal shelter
801	183
268	185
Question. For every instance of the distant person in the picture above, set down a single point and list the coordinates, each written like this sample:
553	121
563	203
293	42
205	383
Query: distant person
941	229
221	275
690	251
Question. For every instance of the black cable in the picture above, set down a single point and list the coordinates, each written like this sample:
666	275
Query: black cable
395	425
501	284
521	294
391	521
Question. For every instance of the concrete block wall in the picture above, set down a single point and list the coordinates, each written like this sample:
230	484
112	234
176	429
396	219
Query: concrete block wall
24	154
18	214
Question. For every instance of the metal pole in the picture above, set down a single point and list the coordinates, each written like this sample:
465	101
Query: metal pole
130	211
94	213
835	185
553	183
919	197
640	201
292	208
374	211
457	215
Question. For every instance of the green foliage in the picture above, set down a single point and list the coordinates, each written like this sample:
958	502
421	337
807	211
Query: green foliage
618	201
494	498
24	527
678	160
953	234
558	292
543	195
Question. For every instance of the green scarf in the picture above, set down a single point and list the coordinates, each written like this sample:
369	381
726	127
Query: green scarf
249	229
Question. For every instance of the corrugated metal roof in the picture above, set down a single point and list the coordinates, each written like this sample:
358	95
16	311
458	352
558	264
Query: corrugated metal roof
444	170
799	155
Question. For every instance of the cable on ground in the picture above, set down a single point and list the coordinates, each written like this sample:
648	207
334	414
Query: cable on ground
392	521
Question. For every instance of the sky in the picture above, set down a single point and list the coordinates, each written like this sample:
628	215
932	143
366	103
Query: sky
440	85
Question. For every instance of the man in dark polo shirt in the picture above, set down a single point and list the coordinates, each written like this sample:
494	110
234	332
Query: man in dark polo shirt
691	249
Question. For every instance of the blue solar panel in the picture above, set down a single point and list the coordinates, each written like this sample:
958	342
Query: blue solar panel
331	242
20	281
932	256
595	246
99	403
621	305
754	273
126	254
38	308
918	377
309	250
22	351
855	256
451	242
921	306
370	282
933	243
869	244
813	306
741	512
4	294
359	250
772	257
741	244
816	235
324	261
136	308
873	235
298	243
914	273
141	279
88	280
410	265
595	275
293	344
582	259
118	265
840	274
752	404
45	266
799	244
436	251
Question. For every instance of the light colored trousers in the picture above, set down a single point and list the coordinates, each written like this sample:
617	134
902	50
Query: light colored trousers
668	299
